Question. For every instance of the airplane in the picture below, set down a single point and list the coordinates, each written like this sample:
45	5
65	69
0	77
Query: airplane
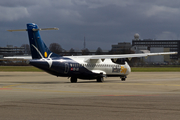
77	67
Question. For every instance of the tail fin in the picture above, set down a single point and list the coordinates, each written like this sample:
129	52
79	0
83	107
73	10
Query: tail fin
38	48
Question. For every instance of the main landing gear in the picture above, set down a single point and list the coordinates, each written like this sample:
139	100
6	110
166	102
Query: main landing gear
73	80
100	79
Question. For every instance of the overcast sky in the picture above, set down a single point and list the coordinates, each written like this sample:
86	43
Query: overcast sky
102	22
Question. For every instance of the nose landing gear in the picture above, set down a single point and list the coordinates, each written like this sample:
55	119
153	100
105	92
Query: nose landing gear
123	78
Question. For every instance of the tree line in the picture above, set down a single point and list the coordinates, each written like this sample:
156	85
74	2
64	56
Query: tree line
56	48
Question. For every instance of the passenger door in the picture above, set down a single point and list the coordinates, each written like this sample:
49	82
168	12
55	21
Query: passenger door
66	68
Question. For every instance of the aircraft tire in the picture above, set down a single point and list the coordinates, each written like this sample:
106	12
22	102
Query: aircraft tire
100	79
73	80
123	79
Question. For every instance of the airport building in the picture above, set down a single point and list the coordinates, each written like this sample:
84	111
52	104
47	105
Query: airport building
10	50
173	45
121	48
153	59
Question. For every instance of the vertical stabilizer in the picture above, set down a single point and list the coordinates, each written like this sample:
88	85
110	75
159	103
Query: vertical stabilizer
38	48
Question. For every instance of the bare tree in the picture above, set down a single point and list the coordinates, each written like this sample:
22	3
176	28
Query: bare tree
71	51
55	48
85	52
99	51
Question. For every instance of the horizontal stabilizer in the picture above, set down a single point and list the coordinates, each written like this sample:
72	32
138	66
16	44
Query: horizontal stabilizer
17	30
49	28
19	57
45	29
34	29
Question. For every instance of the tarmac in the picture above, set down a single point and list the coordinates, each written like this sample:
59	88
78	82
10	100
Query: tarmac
38	95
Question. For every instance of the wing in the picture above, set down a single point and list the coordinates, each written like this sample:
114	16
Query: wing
96	57
19	57
129	56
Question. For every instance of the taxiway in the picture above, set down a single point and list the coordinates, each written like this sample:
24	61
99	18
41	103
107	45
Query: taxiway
38	95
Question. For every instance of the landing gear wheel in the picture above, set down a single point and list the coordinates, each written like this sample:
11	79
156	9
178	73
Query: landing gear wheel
123	79
100	79
73	80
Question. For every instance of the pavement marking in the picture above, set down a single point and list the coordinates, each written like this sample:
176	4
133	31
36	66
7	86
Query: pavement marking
130	95
9	86
46	90
149	84
15	86
5	88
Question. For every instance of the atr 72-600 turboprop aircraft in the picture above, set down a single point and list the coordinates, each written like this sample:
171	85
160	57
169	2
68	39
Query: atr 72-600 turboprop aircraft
82	67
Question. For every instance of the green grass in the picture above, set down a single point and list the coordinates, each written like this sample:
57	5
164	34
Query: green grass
133	69
155	69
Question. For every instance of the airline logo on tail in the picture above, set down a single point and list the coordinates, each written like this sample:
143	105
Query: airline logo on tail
45	54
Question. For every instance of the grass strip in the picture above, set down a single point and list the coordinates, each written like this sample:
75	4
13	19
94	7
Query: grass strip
155	69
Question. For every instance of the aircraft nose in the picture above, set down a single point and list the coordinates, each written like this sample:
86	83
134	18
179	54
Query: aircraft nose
128	68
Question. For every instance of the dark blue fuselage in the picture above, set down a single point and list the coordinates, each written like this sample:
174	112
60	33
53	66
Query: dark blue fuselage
65	67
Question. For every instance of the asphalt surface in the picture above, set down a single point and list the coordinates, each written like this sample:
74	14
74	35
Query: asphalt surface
40	96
